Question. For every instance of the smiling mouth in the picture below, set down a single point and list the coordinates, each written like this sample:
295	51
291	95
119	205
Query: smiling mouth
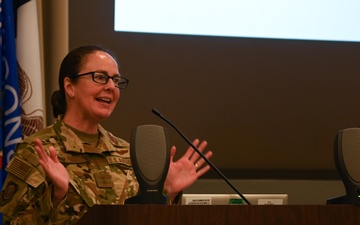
105	100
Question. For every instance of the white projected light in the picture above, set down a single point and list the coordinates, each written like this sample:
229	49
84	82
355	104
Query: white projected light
332	20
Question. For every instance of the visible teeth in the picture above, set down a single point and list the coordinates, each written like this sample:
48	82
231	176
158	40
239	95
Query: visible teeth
104	100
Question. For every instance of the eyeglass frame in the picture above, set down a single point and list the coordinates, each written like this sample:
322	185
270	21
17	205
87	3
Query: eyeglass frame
107	80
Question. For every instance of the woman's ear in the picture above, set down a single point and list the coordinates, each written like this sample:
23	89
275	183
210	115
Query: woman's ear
69	87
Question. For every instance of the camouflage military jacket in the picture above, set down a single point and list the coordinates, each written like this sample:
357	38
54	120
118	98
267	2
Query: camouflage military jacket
101	175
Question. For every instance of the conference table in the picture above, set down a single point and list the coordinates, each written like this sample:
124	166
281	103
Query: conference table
222	214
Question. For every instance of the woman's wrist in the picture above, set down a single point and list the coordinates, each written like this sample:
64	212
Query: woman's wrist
169	193
58	195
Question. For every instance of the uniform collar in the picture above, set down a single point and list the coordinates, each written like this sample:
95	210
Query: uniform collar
73	143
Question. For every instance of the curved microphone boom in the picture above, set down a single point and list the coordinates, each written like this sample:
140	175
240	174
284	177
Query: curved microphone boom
156	112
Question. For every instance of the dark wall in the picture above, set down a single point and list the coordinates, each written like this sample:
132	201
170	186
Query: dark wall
269	106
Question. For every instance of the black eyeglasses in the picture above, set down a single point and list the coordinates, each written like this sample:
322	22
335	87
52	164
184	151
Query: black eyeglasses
103	78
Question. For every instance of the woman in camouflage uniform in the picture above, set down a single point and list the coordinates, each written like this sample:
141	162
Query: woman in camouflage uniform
57	174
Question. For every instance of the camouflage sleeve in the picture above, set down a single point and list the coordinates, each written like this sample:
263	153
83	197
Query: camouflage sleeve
26	195
177	200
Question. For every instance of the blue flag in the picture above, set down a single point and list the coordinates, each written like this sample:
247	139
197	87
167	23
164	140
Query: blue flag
10	102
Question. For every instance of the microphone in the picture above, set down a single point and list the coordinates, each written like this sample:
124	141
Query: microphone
156	112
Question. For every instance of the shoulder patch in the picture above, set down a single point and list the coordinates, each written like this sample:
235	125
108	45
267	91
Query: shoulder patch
19	168
8	193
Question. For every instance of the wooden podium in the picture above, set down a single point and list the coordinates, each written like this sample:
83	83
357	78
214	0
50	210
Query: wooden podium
222	214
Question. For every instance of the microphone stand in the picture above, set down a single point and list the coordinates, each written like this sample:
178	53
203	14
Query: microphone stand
156	112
